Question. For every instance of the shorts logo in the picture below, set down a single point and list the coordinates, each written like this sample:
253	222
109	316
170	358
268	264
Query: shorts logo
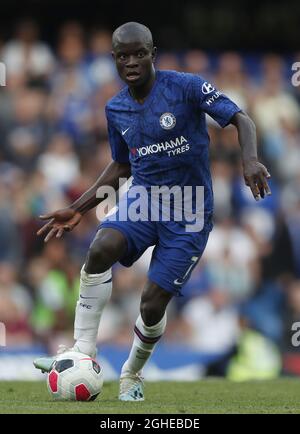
194	260
167	121
207	88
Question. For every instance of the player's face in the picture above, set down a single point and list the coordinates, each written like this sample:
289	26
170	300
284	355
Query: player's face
134	62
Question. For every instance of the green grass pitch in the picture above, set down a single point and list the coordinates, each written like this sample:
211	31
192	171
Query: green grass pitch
199	397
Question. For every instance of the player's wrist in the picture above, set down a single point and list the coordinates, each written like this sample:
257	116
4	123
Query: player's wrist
76	208
249	160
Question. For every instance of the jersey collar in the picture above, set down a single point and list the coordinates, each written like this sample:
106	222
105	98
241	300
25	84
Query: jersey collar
149	97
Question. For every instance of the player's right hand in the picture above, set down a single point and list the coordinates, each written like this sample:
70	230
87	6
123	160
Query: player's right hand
60	221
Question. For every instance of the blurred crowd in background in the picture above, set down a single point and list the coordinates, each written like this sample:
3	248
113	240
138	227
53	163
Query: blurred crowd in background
243	296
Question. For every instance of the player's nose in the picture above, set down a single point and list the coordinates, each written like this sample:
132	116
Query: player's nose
132	62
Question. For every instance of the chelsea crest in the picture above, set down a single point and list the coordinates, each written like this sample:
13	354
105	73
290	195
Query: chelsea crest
167	121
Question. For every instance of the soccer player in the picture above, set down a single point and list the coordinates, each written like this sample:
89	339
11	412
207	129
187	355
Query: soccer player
158	135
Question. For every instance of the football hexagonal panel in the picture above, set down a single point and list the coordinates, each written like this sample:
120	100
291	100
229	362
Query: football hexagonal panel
82	393
62	365
53	378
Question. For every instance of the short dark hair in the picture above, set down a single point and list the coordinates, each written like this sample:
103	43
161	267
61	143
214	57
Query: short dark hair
132	29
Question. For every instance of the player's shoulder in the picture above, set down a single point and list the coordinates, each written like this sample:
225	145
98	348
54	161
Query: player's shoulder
117	101
185	84
178	77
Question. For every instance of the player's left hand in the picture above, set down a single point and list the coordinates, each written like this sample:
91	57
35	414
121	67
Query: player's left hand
256	175
60	221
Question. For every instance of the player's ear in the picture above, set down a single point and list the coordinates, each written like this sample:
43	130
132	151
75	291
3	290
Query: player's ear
154	53
113	55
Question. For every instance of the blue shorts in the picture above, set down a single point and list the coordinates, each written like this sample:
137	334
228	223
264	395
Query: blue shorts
175	254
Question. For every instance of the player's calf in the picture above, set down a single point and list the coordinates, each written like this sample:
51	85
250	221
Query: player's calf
154	301
148	329
94	294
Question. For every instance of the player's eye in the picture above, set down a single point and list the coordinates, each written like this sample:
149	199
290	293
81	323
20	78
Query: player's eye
122	56
141	54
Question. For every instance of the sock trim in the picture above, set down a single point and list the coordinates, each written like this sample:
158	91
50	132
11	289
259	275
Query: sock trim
146	339
95	279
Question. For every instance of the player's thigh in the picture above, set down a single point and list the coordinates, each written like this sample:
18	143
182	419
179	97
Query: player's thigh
174	259
139	235
139	232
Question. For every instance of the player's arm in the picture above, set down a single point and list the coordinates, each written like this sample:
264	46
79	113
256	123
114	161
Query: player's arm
66	219
110	177
224	111
255	173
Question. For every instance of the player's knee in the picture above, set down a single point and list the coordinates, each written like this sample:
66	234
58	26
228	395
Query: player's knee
106	249
100	257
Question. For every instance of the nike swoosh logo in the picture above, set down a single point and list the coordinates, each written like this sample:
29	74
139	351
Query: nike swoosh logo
194	260
178	282
125	131
89	298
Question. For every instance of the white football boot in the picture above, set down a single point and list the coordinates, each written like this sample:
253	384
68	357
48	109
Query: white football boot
131	388
45	363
